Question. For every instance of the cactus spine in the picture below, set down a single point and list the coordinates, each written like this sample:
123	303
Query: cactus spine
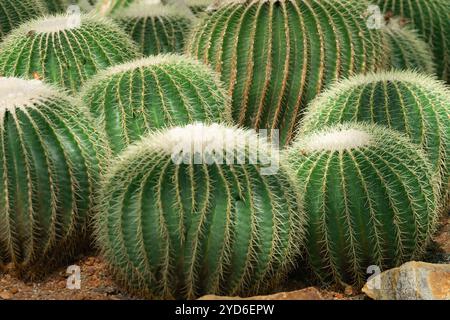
414	104
369	197
408	50
13	13
432	20
131	99
50	164
156	28
277	55
172	229
63	51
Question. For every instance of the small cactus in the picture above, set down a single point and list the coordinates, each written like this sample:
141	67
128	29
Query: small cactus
50	165
370	199
276	55
414	104
206	224
131	99
408	50
432	20
13	13
64	50
156	28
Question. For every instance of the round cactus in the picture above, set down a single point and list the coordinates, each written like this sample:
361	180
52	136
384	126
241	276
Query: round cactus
180	218
370	198
131	99
13	13
408	50
64	50
50	165
414	104
432	20
277	55
156	28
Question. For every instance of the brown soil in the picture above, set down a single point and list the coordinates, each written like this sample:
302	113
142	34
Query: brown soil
97	284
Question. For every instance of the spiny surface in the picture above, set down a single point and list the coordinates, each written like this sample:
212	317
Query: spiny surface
414	104
49	169
173	229
156	28
63	50
432	20
131	99
13	13
276	56
370	199
408	50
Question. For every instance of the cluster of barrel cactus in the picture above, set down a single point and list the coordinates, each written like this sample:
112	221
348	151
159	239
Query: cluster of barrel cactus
138	129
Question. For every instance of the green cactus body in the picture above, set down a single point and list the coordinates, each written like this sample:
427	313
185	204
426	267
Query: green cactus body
276	56
60	50
131	99
156	28
370	199
180	229
432	20
50	165
13	13
408	50
414	104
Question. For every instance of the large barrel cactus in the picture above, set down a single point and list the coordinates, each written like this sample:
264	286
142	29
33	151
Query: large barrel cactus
50	160
156	28
277	55
131	99
414	104
370	198
408	50
13	13
190	210
64	50
432	20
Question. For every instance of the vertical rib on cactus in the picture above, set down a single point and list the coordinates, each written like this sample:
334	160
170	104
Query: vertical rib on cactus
156	28
13	13
432	20
408	50
49	169
59	50
180	229
414	104
131	99
370	198
275	56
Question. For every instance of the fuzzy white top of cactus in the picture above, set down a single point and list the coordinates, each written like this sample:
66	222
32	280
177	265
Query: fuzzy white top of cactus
337	140
17	93
147	10
54	24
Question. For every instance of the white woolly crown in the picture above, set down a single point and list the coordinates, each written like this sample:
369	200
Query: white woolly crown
16	93
337	140
54	24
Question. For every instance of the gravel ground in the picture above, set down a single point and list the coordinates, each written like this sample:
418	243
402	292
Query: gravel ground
96	283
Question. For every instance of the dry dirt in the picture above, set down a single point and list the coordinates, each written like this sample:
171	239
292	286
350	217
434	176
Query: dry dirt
96	283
